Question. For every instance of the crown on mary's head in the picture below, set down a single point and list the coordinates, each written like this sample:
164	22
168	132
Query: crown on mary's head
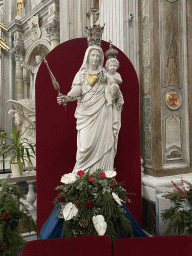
111	53
94	34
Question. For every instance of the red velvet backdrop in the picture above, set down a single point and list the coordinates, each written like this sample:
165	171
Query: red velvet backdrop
56	128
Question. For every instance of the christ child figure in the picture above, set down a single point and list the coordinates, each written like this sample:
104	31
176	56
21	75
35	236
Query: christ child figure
113	78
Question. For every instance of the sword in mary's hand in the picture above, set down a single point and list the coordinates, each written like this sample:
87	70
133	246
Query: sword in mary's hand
54	81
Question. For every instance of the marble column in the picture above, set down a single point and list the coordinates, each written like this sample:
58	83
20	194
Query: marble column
19	84
73	18
53	30
121	26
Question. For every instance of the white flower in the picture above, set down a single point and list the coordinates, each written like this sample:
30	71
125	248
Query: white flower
70	211
68	178
117	199
110	174
99	224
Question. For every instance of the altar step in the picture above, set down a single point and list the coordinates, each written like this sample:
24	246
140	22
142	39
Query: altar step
33	236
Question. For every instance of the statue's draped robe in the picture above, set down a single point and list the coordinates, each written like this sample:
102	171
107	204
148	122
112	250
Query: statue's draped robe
98	126
33	70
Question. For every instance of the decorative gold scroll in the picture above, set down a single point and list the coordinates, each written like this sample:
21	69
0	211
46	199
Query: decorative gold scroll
2	25
3	45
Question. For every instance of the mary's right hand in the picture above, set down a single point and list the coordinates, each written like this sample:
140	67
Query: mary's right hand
62	99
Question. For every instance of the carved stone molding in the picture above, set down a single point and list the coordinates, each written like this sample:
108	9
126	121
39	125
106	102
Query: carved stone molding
18	52
53	30
172	1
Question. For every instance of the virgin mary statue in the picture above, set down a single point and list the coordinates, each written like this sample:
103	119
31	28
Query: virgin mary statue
98	125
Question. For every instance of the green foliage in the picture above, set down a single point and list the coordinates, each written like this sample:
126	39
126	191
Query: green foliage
179	216
18	149
99	191
12	210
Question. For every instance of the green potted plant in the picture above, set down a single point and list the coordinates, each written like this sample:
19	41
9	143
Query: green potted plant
180	215
19	149
12	211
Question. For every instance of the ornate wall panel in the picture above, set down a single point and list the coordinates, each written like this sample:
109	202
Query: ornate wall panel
174	85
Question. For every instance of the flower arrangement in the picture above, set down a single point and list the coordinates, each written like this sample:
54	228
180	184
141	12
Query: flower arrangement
12	211
180	215
91	204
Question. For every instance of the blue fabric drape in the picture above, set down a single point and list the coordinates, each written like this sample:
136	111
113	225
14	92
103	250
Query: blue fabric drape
53	227
137	230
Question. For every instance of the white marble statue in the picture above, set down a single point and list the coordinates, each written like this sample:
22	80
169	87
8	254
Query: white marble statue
113	79
23	109
98	125
33	70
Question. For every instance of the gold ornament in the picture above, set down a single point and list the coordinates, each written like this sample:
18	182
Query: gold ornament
173	100
3	44
20	6
92	79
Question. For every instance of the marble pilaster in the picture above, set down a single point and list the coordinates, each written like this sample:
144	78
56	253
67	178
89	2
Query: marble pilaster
163	80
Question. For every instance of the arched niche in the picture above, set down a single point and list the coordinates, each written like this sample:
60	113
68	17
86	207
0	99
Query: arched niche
41	47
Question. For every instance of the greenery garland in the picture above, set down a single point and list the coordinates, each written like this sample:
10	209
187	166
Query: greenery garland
180	215
90	196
